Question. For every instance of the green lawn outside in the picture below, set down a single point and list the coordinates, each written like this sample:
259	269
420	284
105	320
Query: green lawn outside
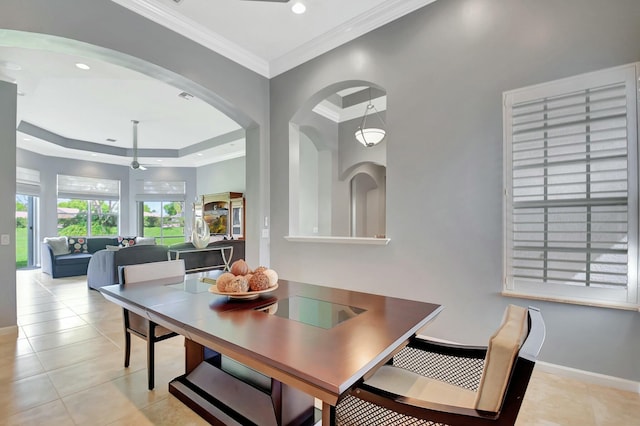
170	235
21	247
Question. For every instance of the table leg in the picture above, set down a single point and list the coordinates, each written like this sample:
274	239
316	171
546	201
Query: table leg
328	414
194	355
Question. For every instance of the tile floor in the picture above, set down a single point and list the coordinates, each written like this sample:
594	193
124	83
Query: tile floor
66	368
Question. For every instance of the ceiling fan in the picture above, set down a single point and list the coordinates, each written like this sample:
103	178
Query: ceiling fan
134	164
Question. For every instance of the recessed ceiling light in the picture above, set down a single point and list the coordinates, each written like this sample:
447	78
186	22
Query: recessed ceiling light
298	8
159	161
83	66
94	155
199	154
26	139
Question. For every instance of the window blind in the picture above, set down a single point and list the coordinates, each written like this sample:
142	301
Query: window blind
86	188
27	181
160	190
571	192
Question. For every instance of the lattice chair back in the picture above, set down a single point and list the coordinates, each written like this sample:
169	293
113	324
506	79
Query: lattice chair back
432	383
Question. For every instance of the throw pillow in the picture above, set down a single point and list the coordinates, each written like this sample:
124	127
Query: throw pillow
59	245
126	241
145	241
113	248
78	245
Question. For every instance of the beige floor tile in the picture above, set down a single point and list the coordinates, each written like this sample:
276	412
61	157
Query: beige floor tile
63	338
26	393
31	300
614	407
45	316
101	315
108	402
52	326
51	414
111	326
15	347
43	307
553	400
16	368
71	354
90	373
166	412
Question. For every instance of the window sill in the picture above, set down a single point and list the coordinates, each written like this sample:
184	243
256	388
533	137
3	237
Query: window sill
583	302
338	240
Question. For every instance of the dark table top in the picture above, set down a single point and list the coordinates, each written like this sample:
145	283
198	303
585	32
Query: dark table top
321	339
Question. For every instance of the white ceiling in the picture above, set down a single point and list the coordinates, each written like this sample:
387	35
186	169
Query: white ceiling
266	36
60	99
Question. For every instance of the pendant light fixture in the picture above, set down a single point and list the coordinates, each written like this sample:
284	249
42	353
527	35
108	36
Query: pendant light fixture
372	135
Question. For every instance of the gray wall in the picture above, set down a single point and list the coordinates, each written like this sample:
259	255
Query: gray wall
8	108
444	68
225	176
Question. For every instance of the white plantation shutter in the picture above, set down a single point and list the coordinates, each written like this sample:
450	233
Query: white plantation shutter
571	196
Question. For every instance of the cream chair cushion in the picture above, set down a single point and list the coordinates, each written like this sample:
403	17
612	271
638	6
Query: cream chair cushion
501	353
407	383
159	273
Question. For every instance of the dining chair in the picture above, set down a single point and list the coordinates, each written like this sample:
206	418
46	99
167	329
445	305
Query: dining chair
434	383
154	273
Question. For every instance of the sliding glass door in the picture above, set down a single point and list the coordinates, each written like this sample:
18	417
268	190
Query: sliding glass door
26	231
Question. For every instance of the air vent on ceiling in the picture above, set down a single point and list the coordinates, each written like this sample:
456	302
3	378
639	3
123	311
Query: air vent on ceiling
110	140
185	95
177	1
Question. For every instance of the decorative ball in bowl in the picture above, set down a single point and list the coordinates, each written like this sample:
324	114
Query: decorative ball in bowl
243	283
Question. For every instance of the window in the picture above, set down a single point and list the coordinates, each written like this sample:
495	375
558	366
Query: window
163	220
88	206
571	199
161	210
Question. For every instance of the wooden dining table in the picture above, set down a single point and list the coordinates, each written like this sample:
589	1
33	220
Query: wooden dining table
308	341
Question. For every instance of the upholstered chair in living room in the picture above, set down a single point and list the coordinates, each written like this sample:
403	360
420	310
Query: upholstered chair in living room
431	382
154	273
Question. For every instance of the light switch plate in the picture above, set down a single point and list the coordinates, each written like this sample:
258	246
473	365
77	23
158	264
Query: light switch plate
5	240
265	233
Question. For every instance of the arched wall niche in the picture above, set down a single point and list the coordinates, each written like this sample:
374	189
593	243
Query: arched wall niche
337	187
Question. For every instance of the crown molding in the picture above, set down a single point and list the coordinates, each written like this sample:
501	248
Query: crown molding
166	17
350	30
362	24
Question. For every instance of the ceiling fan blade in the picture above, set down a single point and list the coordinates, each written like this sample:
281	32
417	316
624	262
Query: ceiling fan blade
272	1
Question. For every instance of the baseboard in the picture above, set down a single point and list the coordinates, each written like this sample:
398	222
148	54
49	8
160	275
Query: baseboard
12	329
589	377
